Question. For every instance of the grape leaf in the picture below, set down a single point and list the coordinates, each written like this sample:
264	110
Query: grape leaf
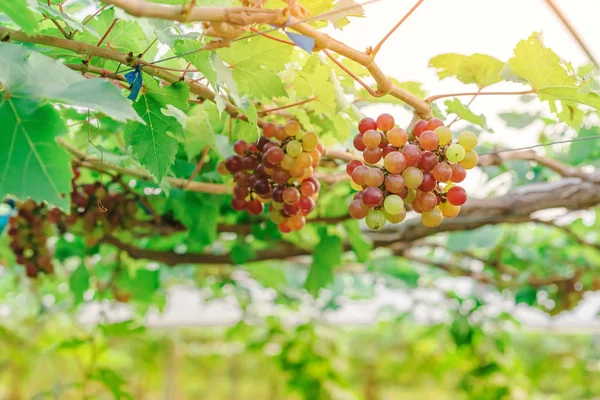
19	12
481	69
57	15
32	164
553	80
327	254
583	152
142	285
255	65
518	120
314	80
202	60
455	106
155	143
358	243
199	212
202	124
79	282
527	295
25	73
177	94
125	36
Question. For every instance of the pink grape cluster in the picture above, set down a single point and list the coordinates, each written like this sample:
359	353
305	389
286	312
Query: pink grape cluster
277	170
420	170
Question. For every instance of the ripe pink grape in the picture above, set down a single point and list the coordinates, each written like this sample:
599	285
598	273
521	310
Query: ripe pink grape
351	165
372	196
371	139
255	207
374	177
387	150
429	182
395	162
419	128
426	201
358	143
240	147
307	204
429	140
457	196
269	129
397	137
359	174
308	188
394	183
458	173
434	123
274	155
385	122
413	177
238	204
233	164
372	156
366	124
291	195
428	161
358	209
296	222
412	154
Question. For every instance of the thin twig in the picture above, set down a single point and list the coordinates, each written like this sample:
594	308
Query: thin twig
112	25
573	32
270	110
386	37
441	96
148	48
468	104
198	166
272	37
356	78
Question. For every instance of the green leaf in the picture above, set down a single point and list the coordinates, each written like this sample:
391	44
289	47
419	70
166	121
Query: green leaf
241	253
486	237
154	144
112	380
397	268
177	94
19	12
255	64
527	295
518	120
32	164
202	124
79	282
199	212
554	80
455	106
326	255
125	36
202	60
60	16
480	69
314	80
25	74
360	246
141	286
583	152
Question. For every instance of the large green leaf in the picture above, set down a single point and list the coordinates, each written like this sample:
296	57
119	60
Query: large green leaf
57	15
202	124
314	80
31	162
202	60
255	65
25	73
19	12
199	212
155	143
360	246
455	106
125	36
480	69
79	282
326	255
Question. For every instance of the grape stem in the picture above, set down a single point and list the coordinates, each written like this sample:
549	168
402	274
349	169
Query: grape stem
103	38
198	167
431	99
457	118
299	103
386	37
356	78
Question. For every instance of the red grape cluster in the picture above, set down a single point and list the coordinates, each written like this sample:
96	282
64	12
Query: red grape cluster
278	169
29	230
419	169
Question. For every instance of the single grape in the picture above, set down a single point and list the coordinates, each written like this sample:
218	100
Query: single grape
429	182
240	147
470	160
412	154
296	222
274	155
262	141
375	219
428	161
359	174
426	201
241	178
269	129
393	204
297	172
255	207
395	162
304	160
429	140
413	177
293	148
455	153
291	195
249	163
385	122
358	143
394	183
459	173
253	148
270	145
372	196
262	187
449	210
309	141
396	218
284	228
278	194
444	135
397	137
416	207
290	209
457	196
371	139
468	140
366	124
222	169
372	156
316	158
411	195
292	128
233	164
420	127
358	209
442	172
280	133
280	175
260	171
434	123
288	162
387	150
432	218
315	182
374	177
308	188
306	204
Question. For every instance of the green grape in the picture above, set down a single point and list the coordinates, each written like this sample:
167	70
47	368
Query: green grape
468	140
293	148
444	134
310	141
393	204
411	196
413	177
455	153
470	160
376	219
397	218
432	218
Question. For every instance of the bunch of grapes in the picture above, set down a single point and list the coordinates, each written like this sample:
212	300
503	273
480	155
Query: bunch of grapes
96	213
421	169
29	230
277	170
